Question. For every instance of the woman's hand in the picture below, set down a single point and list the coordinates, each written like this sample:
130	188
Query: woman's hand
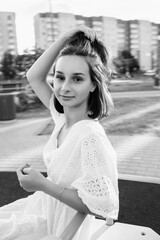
30	179
89	32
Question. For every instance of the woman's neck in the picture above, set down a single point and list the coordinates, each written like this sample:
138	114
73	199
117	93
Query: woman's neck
73	116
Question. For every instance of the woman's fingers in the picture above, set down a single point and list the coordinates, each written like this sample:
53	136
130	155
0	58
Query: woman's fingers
26	170
20	170
89	32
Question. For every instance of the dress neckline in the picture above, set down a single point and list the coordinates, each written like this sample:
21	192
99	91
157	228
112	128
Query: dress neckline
75	124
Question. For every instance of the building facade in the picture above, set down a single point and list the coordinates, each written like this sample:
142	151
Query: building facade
140	37
8	38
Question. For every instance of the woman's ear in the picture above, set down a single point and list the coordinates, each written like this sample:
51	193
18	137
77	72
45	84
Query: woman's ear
93	88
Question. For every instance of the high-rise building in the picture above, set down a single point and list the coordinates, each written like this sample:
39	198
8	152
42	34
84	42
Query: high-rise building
123	36
145	38
134	38
144	43
8	38
50	25
140	37
108	34
154	44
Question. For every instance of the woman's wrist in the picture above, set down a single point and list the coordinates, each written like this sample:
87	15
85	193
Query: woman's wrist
52	189
44	184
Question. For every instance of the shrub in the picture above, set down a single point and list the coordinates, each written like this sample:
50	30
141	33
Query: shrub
27	99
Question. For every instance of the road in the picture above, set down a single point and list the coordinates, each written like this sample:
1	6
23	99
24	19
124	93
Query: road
153	93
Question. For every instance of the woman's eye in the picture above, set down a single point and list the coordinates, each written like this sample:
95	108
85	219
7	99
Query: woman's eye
77	79
59	77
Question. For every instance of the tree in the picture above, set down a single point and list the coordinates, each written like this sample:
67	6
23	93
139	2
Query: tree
126	54
8	66
126	63
25	61
130	62
16	66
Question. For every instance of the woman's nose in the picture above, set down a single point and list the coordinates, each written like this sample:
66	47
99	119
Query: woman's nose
65	86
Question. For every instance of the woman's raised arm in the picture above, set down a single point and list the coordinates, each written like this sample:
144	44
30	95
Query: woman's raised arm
37	74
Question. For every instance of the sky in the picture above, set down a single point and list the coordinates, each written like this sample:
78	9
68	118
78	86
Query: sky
122	9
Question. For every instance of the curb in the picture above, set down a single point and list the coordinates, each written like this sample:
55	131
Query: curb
138	178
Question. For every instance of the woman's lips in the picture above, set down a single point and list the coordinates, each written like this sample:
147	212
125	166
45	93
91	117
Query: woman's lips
66	97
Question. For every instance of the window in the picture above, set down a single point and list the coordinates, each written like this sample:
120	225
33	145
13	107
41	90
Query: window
80	22
9	17
11	46
132	25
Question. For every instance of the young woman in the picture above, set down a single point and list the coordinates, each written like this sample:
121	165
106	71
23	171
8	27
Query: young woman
80	161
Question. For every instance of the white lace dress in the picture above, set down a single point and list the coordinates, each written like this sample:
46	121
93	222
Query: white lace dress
85	161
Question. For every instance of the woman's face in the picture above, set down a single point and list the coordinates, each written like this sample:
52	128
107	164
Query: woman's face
72	82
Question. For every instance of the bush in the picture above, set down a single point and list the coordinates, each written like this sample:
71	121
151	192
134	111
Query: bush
27	99
22	102
8	66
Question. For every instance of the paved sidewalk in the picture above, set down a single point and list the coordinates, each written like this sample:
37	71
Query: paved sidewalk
19	143
138	155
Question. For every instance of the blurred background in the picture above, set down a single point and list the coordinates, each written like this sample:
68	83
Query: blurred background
131	32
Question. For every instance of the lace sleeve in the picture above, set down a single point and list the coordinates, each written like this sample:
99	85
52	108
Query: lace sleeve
98	185
54	113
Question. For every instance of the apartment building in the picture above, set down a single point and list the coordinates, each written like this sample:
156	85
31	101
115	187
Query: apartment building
144	43
134	46
110	35
154	45
137	36
48	26
123	36
8	38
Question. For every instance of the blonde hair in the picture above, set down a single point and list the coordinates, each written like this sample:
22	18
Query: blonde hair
100	102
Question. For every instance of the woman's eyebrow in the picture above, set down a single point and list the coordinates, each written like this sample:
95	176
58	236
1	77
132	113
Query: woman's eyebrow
76	74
